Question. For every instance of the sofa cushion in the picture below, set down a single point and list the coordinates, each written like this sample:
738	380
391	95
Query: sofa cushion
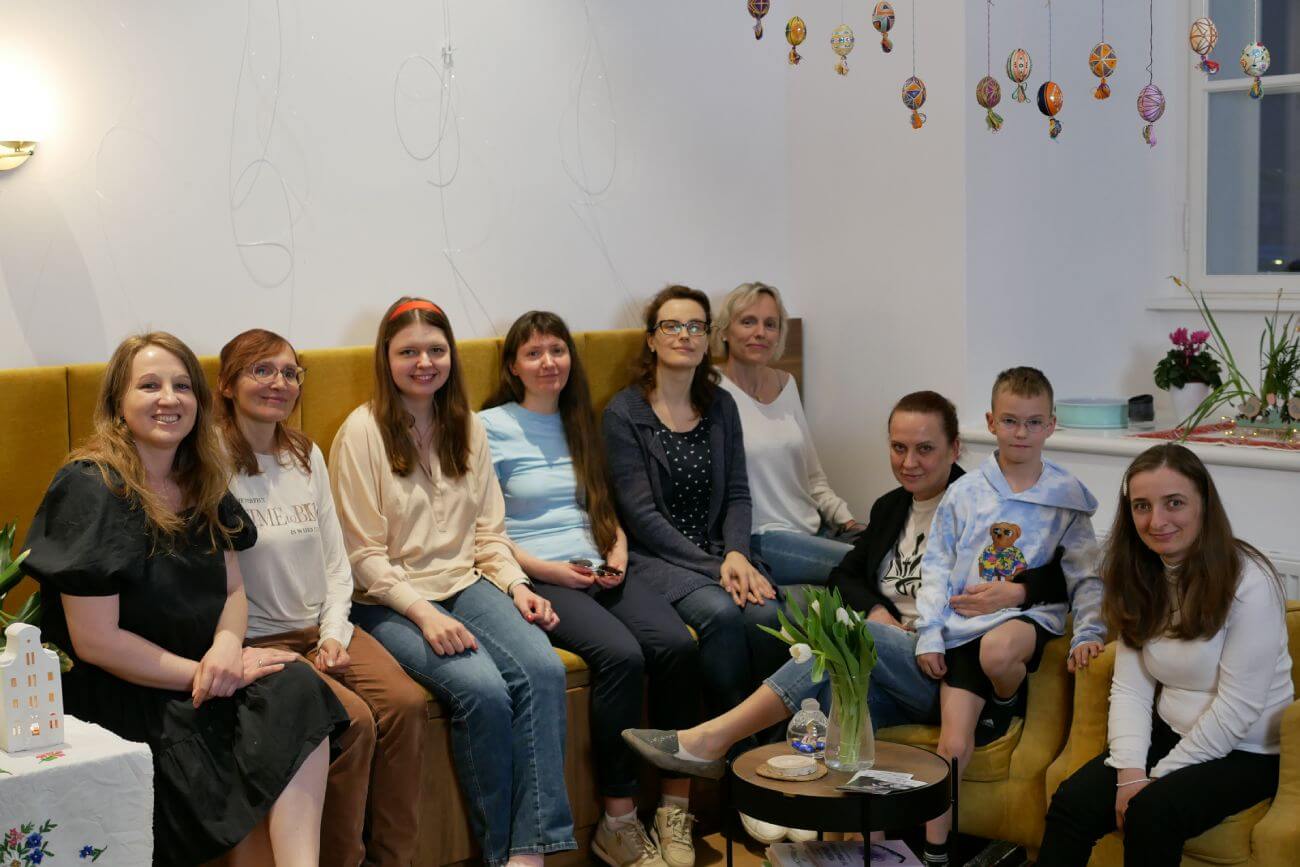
989	763
609	358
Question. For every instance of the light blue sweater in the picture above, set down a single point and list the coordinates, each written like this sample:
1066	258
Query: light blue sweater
962	551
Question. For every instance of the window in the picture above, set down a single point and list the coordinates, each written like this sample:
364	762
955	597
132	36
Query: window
51	698
13	682
49	675
31	680
1244	179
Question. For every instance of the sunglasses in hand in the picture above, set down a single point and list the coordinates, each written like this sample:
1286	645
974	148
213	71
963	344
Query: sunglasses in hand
602	570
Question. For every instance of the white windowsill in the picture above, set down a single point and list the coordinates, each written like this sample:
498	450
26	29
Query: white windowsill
1230	302
1121	444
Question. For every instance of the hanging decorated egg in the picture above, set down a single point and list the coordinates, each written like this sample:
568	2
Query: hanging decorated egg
842	43
795	33
1255	61
914	98
1151	106
1050	101
1203	37
758	8
1019	66
883	20
988	93
1102	61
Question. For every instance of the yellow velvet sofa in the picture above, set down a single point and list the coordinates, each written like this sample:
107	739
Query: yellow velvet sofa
1001	792
1266	835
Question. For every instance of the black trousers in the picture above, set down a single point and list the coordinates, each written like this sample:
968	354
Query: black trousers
624	634
1161	817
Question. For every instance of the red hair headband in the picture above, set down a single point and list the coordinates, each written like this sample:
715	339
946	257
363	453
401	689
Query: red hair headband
414	305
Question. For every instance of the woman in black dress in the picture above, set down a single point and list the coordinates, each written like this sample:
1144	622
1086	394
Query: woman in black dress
134	549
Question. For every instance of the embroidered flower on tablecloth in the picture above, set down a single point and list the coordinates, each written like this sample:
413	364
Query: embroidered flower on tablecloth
91	852
50	756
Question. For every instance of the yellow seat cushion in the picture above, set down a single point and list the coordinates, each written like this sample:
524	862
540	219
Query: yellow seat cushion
609	358
988	764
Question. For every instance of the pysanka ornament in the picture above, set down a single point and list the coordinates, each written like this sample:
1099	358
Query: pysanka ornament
1203	36
758	8
795	33
914	98
1255	61
1019	67
988	93
1151	106
883	20
842	43
1102	62
1050	101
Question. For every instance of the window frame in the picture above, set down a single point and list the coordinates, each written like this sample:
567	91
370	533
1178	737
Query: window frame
1244	292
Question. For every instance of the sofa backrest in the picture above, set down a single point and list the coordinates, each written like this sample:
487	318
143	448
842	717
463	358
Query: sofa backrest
52	406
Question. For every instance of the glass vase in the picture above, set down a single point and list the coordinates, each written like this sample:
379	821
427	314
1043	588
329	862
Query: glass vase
850	742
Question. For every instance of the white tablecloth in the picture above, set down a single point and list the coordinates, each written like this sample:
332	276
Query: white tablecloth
89	799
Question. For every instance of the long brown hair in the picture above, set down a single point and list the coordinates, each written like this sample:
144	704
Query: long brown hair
585	446
255	345
199	467
450	405
1138	596
704	385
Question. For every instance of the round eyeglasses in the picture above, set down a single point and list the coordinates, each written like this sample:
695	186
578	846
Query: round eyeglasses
694	328
266	372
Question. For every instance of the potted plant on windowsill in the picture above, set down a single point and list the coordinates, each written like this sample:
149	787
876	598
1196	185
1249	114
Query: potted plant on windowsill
10	576
1189	372
1272	408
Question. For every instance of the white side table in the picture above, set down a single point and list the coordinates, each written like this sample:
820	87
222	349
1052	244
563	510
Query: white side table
90	799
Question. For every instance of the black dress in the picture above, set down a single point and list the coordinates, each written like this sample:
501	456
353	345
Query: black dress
220	767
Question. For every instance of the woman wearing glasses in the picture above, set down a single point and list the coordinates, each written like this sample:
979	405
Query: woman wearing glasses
796	514
677	458
299	587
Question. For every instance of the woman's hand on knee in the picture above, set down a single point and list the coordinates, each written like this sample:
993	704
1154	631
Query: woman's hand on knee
745	583
261	661
445	634
986	598
220	671
933	664
1131	781
535	609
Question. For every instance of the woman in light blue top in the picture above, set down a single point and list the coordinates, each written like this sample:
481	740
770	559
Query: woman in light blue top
561	521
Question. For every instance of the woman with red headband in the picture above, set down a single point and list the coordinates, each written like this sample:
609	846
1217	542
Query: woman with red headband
424	524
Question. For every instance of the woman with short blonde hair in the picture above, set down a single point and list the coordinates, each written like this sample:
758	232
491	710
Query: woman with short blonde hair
796	514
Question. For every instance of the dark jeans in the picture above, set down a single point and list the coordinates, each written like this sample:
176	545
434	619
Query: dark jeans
735	655
621	634
1163	815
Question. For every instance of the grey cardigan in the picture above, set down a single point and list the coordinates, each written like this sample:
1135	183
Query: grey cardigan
658	553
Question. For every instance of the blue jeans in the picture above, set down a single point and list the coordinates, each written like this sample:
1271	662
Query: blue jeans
734	653
507	707
798	558
900	693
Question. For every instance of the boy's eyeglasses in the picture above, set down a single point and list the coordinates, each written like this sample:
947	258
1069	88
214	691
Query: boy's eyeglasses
1010	424
694	328
265	372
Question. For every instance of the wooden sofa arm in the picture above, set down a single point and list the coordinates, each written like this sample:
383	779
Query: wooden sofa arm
1089	720
1275	839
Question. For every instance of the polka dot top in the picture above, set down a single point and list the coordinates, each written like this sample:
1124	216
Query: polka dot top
690	466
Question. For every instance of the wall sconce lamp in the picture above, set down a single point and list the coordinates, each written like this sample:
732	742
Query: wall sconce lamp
14	153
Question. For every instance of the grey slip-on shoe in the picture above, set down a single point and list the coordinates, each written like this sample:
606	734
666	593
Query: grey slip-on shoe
659	748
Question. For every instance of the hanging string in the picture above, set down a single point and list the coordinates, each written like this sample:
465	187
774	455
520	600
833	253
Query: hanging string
1151	41
914	38
1049	40
988	38
1103	20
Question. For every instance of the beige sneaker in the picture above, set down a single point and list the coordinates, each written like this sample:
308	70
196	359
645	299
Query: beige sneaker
625	844
672	833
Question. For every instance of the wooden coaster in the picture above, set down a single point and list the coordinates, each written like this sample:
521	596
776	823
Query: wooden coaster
766	770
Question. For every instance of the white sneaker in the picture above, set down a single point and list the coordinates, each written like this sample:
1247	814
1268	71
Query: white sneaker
798	835
625	844
672	834
763	832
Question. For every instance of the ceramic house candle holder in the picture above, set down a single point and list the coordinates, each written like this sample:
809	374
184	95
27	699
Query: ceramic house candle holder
31	692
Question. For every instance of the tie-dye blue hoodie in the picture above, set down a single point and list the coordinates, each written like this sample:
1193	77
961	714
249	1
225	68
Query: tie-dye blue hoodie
983	531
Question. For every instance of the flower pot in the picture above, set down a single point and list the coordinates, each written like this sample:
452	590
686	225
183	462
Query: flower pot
1188	398
850	742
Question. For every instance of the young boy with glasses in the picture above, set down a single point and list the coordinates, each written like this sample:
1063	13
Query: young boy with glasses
1011	514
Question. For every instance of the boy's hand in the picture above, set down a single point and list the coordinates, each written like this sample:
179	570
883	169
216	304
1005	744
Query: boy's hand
1082	655
932	664
986	598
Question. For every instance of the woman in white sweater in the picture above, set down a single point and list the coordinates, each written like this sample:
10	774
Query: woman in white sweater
299	586
1202	674
796	513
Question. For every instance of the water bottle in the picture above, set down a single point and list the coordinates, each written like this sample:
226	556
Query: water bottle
806	733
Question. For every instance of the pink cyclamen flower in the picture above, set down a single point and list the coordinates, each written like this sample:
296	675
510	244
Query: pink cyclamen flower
1200	337
1179	337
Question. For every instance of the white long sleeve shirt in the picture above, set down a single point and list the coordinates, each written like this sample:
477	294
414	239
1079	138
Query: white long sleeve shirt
1221	694
786	480
297	575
